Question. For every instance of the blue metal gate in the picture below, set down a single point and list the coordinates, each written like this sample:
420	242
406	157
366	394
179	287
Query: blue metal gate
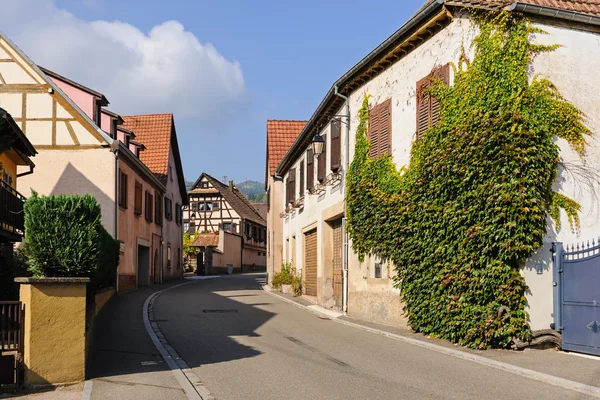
577	296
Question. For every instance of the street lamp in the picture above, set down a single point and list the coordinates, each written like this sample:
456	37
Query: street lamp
317	145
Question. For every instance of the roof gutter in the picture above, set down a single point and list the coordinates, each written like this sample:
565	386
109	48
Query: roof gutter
555	13
418	18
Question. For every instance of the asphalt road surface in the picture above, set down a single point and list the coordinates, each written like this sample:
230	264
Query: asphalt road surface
246	344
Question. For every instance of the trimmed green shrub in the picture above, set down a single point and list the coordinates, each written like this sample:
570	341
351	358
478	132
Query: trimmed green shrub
62	235
108	260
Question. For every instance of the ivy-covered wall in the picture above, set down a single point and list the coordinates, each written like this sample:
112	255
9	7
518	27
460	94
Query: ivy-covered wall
471	207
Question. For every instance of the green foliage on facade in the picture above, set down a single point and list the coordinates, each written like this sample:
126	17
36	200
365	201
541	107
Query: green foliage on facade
64	237
459	222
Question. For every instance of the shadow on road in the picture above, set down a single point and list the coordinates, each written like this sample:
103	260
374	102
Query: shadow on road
202	321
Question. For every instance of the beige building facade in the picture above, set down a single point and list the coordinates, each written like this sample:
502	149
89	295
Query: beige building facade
433	38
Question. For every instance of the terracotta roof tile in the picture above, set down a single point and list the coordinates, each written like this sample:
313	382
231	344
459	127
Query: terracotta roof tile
280	136
582	6
154	131
206	240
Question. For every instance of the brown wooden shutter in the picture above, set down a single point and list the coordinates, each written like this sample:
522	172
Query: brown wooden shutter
123	190
336	145
322	162
301	177
287	191
138	199
385	127
373	132
310	169
292	184
428	108
158	209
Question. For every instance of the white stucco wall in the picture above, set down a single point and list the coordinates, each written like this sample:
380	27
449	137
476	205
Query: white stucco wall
90	171
567	67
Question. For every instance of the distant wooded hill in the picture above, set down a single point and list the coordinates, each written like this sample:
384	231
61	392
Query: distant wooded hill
254	191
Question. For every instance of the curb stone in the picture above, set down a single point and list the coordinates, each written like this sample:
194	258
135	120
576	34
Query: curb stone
187	378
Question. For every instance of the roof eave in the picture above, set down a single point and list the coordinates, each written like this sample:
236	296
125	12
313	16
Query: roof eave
553	12
421	16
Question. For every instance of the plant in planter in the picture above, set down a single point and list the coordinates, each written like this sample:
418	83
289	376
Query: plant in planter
62	235
288	280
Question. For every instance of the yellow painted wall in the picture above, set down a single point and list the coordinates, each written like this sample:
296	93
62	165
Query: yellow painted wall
9	166
54	332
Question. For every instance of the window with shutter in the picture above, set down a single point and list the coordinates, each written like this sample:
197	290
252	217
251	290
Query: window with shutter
322	162
336	145
428	108
380	129
149	206
177	214
168	209
138	199
158	209
123	190
292	184
310	169
301	178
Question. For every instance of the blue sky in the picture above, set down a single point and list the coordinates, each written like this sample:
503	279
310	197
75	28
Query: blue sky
289	53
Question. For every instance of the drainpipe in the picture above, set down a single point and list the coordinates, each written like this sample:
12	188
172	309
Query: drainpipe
115	150
344	232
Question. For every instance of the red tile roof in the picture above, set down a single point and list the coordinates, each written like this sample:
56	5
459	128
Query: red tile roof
280	136
206	240
583	6
154	131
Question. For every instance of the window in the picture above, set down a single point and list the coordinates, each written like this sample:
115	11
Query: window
247	230
186	226
428	108
204	185
336	145
310	169
227	226
149	206
158	215
206	206
123	190
168	209
301	179
380	129
7	178
177	214
215	205
377	270
170	173
138	199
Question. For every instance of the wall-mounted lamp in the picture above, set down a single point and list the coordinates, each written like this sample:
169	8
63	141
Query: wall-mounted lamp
317	145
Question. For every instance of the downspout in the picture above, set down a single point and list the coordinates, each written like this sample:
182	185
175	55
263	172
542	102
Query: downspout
115	150
344	232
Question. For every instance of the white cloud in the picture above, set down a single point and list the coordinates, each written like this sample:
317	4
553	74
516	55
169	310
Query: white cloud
165	70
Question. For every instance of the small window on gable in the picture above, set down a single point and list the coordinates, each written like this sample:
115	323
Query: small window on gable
428	107
380	129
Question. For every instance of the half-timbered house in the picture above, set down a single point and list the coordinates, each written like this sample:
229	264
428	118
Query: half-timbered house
215	206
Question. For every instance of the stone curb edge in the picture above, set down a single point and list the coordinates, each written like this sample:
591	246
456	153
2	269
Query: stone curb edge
188	380
513	369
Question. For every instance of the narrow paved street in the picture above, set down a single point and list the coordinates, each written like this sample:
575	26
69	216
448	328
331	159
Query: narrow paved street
246	344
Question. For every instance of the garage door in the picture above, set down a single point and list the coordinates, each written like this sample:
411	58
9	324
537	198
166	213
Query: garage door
310	263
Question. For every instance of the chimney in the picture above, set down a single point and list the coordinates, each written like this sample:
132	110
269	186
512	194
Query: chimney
231	185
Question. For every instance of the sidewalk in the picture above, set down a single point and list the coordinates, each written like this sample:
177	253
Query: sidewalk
123	363
570	366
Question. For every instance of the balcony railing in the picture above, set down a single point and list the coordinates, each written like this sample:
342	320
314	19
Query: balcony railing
12	219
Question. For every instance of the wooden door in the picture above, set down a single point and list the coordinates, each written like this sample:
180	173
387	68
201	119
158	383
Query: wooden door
310	263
